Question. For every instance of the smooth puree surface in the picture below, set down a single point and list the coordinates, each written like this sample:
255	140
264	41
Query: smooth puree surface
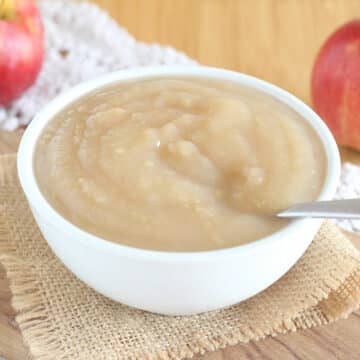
178	164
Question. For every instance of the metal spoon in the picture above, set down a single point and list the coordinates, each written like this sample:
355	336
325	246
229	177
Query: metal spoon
334	209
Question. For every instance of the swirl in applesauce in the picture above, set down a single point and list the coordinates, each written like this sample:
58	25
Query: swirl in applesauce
180	164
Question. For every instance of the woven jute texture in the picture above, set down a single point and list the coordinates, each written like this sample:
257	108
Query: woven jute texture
61	318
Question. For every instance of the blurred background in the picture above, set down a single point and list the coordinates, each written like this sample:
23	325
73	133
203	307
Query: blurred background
276	40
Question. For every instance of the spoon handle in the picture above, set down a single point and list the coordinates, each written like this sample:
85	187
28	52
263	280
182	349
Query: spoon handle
334	209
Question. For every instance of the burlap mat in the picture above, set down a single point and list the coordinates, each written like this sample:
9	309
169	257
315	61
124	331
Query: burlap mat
60	317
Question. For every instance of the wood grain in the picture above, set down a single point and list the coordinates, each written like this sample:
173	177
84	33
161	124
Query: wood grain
276	40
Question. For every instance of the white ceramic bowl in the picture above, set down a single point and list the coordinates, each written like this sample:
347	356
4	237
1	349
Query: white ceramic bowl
165	282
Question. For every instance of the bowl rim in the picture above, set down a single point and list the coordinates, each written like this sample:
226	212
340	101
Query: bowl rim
38	201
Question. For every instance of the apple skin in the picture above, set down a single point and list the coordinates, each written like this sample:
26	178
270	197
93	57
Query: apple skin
336	84
21	50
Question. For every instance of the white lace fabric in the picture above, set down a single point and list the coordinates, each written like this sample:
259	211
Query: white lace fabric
82	42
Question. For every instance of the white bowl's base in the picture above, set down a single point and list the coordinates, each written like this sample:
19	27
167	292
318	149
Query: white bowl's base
180	289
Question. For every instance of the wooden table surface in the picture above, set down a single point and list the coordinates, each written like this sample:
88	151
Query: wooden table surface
276	40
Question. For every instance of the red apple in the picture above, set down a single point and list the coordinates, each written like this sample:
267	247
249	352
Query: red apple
336	84
21	47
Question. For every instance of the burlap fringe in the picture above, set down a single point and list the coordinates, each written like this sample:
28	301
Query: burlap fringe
32	317
27	301
308	318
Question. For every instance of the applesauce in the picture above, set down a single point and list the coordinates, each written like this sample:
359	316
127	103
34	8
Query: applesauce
178	164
